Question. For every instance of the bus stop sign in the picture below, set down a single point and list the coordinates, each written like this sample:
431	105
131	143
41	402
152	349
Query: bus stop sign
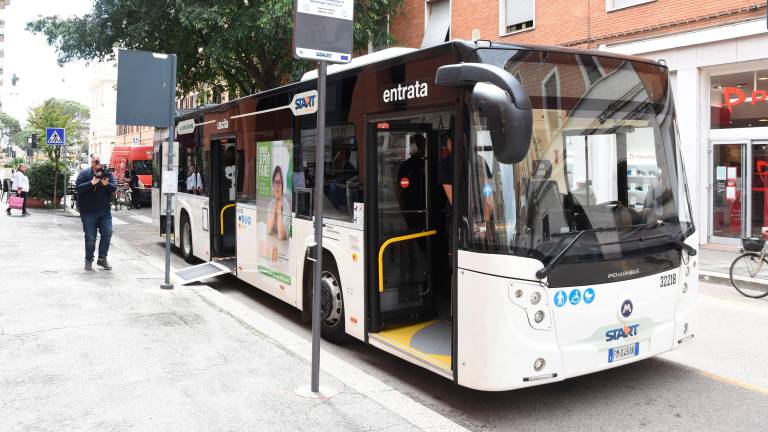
322	30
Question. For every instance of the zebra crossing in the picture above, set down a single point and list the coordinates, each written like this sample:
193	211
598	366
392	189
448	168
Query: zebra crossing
130	219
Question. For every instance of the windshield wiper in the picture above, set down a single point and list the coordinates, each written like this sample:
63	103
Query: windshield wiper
671	239
541	274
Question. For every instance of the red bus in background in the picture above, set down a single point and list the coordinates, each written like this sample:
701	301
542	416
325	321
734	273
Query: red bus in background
134	160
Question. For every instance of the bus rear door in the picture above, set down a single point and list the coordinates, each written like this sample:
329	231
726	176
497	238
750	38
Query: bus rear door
223	194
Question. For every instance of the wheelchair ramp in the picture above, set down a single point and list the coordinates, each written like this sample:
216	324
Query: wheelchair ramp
201	271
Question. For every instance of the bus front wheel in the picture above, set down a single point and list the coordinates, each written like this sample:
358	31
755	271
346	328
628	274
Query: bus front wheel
331	303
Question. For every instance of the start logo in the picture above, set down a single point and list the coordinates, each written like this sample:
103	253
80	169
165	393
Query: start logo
621	333
304	103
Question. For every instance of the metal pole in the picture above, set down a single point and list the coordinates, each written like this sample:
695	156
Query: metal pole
56	152
169	197
319	181
66	176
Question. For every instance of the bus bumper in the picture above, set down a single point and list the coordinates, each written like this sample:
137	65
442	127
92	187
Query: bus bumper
501	346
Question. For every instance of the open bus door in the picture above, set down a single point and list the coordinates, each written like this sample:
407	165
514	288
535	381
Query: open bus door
224	181
410	285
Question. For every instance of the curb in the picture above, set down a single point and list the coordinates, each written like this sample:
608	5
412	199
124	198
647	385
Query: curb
723	278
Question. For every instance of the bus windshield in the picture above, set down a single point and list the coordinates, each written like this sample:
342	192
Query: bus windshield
603	158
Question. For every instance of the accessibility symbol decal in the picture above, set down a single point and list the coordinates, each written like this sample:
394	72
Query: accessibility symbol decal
575	297
589	295
560	298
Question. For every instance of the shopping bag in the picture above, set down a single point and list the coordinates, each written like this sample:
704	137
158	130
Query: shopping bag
16	202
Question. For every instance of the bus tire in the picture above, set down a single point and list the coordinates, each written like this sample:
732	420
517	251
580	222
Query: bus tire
186	239
331	302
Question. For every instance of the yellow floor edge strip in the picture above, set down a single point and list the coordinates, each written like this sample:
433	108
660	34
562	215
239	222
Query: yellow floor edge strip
401	338
735	382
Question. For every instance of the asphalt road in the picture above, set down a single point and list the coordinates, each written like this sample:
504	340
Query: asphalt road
718	383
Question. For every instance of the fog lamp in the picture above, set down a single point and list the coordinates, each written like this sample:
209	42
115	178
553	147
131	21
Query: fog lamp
538	316
539	364
685	287
535	297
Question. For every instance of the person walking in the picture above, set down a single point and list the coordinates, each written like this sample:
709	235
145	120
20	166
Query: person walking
21	184
95	186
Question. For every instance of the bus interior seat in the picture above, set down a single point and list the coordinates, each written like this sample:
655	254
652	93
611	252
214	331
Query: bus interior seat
550	216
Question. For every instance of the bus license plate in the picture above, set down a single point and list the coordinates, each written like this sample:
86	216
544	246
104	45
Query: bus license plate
623	352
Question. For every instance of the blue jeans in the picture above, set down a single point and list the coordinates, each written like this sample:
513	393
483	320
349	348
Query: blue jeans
101	221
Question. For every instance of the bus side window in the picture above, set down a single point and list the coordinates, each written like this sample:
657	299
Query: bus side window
342	186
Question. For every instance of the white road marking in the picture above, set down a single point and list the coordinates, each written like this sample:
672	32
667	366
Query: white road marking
363	383
733	304
116	221
142	218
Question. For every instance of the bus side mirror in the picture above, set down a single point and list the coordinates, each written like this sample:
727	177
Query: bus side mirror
504	102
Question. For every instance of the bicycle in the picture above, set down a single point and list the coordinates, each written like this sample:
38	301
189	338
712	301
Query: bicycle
745	269
121	198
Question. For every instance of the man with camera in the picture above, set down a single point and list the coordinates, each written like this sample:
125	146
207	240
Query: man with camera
95	186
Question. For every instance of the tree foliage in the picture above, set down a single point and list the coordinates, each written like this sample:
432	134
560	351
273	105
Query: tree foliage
245	44
9	126
59	113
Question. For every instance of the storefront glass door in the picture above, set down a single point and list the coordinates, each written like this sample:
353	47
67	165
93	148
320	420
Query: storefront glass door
759	196
728	204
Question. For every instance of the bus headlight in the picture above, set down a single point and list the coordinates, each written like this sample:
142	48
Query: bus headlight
141	184
685	287
538	316
535	298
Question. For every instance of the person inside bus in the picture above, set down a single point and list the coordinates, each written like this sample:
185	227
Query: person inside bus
411	195
445	182
279	209
341	171
194	181
230	172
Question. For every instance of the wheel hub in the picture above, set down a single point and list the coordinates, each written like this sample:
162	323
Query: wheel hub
330	299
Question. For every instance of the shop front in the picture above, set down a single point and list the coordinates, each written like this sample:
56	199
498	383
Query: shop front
738	149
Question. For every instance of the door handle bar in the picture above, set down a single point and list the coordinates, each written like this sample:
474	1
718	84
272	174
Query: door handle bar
396	240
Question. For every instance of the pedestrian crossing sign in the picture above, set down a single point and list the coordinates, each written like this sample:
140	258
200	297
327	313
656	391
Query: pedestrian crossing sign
54	136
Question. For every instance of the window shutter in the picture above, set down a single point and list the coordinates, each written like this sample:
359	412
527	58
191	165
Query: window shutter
519	11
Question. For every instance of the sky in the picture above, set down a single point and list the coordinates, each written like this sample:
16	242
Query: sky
34	62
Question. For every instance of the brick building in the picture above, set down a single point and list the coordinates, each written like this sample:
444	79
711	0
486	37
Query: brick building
718	61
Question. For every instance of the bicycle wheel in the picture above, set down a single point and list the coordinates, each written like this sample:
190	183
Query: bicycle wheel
744	276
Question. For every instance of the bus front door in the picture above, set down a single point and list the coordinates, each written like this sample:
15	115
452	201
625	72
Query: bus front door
404	230
224	191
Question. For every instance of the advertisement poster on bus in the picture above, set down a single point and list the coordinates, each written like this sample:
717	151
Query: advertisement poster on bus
273	197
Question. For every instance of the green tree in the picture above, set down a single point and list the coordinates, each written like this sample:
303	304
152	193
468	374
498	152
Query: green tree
58	113
9	126
245	44
21	137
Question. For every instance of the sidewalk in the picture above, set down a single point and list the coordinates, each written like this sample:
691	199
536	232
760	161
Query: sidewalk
715	262
109	351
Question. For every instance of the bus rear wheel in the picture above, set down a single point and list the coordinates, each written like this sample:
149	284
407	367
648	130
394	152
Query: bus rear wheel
331	303
186	239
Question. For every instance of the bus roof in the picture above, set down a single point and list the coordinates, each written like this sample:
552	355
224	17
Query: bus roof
394	55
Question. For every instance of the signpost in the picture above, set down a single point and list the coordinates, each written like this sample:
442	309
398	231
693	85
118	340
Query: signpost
56	137
146	96
322	31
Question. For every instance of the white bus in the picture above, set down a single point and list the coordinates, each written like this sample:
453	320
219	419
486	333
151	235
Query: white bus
567	245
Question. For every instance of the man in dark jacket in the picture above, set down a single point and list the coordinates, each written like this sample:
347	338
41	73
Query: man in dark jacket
94	193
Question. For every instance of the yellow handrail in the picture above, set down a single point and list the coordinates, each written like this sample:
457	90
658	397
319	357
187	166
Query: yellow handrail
221	216
395	240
